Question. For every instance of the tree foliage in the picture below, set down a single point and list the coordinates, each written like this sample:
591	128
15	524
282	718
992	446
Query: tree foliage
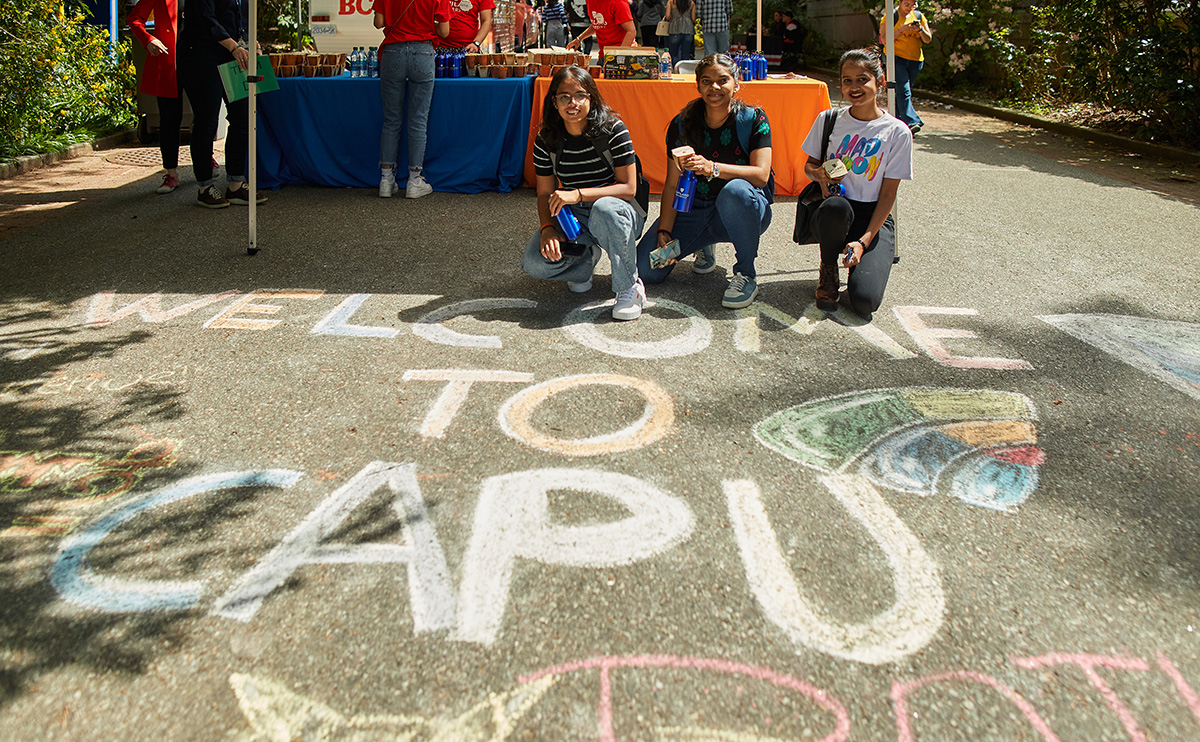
58	83
1137	56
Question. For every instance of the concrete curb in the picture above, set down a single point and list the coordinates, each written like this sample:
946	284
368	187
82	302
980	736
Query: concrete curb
1150	149
36	162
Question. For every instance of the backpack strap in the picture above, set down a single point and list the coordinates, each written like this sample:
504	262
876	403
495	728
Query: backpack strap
745	126
830	118
600	145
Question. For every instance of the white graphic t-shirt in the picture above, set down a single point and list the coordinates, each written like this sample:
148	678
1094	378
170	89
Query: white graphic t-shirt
872	150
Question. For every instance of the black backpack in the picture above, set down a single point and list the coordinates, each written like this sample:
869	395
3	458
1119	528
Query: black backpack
600	144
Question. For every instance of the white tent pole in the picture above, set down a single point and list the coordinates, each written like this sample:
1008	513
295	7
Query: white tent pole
890	25
758	29
252	159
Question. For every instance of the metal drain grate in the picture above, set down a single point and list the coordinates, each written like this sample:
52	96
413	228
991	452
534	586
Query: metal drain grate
143	157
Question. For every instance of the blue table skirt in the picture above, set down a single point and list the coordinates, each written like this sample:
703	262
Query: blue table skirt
325	130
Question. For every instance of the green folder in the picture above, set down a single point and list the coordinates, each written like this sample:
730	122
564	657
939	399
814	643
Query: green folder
233	78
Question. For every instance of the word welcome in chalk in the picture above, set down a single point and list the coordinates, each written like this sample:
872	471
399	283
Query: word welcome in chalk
246	312
275	711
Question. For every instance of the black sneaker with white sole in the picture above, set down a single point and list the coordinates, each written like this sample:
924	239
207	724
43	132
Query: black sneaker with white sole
241	196
210	198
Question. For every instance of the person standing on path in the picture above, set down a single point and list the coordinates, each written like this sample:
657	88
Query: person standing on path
650	12
912	33
406	65
160	79
213	33
714	20
681	27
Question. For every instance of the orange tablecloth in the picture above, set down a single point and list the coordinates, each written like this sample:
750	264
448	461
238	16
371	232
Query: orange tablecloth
647	107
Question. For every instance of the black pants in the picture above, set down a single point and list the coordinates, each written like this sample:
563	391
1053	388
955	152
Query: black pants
838	221
170	118
651	38
197	69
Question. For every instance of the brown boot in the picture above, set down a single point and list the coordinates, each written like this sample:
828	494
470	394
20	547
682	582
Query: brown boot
827	288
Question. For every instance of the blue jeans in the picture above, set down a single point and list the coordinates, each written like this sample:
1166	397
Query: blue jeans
681	46
740	214
906	75
716	41
613	225
405	65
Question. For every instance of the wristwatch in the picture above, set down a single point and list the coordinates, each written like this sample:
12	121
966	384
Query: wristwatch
716	171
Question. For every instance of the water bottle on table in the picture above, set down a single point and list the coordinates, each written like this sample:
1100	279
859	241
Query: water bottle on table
373	62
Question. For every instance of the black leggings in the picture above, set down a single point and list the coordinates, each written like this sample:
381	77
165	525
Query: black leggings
838	221
170	118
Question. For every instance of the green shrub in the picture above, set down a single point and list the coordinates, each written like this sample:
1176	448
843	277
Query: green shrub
58	84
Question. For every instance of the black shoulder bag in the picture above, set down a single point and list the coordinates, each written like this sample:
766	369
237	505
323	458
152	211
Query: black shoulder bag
812	195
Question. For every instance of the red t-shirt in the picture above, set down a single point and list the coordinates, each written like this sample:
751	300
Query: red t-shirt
411	20
464	22
607	17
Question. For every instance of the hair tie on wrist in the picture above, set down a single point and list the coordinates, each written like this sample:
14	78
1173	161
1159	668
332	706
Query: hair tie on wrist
667	232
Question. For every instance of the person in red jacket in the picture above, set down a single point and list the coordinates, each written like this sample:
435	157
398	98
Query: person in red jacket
159	78
612	25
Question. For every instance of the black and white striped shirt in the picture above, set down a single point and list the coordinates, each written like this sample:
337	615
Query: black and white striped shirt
580	165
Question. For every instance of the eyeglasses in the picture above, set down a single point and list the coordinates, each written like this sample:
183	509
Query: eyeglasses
564	99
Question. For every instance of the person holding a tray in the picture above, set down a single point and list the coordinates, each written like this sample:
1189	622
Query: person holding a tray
723	147
407	63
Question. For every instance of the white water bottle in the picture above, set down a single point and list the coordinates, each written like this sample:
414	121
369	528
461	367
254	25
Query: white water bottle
664	66
373	63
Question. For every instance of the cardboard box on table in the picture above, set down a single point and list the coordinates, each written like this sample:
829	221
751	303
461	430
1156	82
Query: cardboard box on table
630	63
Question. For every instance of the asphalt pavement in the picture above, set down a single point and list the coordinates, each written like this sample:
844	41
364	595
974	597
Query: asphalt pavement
375	483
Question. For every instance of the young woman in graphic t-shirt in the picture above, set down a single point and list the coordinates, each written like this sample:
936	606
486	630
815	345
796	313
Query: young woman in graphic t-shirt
600	190
877	150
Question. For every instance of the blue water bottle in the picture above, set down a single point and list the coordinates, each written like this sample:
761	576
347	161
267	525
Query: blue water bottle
747	70
373	62
568	223
762	67
685	192
439	64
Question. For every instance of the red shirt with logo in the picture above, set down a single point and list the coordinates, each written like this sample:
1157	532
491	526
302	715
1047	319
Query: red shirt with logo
607	17
464	22
411	20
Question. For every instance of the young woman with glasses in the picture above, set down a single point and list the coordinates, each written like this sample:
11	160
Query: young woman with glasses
584	161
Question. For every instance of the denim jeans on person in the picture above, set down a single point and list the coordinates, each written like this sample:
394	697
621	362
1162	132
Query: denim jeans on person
406	66
681	46
739	214
906	75
716	41
613	225
838	221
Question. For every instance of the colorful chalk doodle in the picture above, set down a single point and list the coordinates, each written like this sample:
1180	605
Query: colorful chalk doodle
1168	351
276	712
974	444
83	480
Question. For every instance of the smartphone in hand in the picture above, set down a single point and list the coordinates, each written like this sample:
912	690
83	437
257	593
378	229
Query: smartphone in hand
572	250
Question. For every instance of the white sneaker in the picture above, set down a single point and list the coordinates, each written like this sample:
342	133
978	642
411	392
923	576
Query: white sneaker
630	302
417	186
580	287
387	184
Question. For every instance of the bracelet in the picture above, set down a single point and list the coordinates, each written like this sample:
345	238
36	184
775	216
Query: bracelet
667	232
547	224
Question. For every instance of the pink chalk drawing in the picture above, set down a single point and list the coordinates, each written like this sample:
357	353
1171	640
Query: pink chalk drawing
841	730
1088	663
900	693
